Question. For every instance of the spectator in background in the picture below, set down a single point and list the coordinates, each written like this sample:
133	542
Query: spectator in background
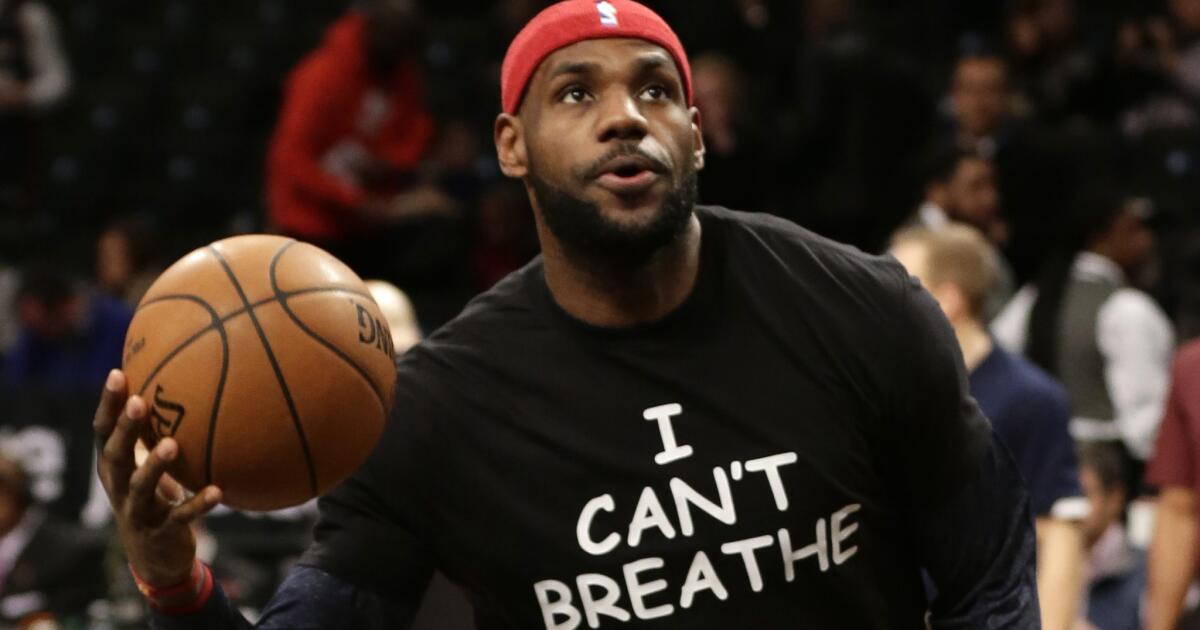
1116	571
1108	342
960	186
1175	471
33	77
70	336
505	235
1053	71
736	162
123	265
343	167
860	106
980	101
1158	70
1028	409
1034	182
47	567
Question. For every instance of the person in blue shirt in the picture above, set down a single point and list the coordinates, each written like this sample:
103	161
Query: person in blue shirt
1029	410
69	337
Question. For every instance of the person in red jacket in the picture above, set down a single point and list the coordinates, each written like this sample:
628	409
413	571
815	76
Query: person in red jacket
343	165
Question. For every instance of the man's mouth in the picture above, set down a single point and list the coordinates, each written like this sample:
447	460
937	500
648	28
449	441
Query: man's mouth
629	175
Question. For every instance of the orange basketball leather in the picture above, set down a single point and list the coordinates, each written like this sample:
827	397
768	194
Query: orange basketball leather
269	363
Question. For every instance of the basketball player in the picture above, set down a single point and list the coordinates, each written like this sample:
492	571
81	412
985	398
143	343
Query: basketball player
677	417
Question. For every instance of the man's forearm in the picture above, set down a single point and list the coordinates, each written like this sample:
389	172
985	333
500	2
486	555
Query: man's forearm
1060	571
217	613
1172	557
308	599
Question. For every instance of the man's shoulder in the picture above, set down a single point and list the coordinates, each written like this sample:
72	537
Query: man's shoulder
801	249
1029	387
500	316
508	303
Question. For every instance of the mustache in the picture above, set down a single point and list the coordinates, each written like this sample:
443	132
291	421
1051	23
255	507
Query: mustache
596	168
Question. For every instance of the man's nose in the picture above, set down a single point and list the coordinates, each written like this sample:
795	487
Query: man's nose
620	119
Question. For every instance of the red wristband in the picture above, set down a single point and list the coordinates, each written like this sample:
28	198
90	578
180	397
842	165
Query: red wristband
185	597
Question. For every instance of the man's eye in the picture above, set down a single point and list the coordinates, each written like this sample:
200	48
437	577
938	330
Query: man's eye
574	95
655	92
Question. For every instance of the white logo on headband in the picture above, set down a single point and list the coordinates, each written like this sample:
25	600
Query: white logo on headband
608	13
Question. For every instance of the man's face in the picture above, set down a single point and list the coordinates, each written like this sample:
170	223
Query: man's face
114	263
1131	242
979	95
971	193
608	148
392	33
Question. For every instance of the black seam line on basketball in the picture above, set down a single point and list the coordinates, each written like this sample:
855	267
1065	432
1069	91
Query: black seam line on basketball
219	326
287	394
341	354
262	302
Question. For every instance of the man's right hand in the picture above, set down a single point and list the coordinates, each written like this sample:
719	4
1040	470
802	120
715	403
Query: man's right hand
153	512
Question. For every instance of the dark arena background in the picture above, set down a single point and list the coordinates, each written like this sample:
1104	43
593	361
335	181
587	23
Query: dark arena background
134	132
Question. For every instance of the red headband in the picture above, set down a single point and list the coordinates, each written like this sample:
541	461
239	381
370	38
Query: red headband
575	21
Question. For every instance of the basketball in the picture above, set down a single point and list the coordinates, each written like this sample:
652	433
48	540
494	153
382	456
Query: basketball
269	363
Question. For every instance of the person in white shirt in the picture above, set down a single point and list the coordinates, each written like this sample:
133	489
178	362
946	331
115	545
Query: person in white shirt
1109	342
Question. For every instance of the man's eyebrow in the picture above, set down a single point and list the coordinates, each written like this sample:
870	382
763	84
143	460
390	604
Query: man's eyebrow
653	61
657	63
574	67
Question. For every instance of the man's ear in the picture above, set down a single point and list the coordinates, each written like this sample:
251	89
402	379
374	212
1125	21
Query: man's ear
697	139
510	146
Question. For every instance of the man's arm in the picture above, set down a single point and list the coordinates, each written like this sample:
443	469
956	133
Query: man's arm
1051	470
1060	571
1136	340
382	569
1173	549
1172	557
966	508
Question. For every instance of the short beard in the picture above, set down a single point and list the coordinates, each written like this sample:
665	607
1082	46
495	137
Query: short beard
606	245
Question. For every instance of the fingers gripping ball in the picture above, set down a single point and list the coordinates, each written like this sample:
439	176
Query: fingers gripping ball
268	362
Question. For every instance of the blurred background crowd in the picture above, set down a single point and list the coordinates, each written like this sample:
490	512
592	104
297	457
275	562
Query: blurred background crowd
1065	133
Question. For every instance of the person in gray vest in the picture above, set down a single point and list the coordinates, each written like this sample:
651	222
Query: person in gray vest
1108	342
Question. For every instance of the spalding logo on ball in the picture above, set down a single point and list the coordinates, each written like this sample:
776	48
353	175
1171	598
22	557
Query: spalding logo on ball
269	363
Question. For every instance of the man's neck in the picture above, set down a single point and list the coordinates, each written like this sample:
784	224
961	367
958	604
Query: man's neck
974	341
612	298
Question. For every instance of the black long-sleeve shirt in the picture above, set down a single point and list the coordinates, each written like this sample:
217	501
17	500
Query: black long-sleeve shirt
789	448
